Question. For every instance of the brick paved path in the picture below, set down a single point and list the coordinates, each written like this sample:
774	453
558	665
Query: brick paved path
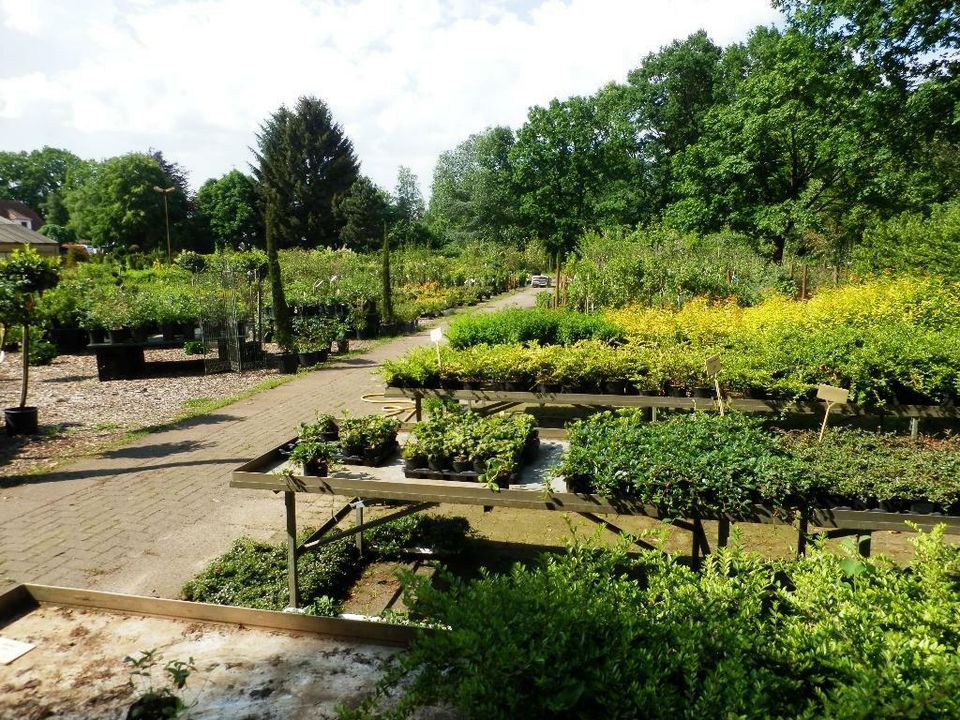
145	518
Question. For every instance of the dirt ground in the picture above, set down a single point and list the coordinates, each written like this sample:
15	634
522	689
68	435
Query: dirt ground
79	415
77	669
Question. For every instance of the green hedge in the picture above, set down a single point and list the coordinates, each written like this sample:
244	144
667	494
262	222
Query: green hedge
546	327
598	634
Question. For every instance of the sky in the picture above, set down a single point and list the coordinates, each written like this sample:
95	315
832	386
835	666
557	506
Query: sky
406	79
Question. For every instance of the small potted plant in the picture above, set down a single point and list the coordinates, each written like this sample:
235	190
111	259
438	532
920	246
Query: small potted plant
414	457
316	456
24	276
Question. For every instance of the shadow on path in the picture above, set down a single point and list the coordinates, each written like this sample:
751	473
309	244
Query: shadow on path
19	480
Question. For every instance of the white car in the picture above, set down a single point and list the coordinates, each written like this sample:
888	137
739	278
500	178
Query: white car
540	281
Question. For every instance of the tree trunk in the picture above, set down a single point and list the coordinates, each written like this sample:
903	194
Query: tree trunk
385	281
25	357
281	313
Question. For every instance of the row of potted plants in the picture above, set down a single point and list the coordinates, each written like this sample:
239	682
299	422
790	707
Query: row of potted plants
701	464
921	368
888	341
363	440
461	443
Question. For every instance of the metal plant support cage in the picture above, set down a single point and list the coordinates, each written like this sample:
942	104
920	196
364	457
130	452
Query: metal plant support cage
232	328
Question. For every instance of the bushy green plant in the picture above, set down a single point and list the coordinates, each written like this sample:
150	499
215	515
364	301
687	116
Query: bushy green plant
868	469
495	443
600	634
691	465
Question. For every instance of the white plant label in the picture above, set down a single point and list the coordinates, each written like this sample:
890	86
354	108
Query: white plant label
833	395
436	335
713	366
10	650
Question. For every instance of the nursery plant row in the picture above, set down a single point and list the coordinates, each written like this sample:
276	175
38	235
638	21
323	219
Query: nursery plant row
708	465
690	465
888	341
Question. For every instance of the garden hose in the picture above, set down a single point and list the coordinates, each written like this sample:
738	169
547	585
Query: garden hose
400	408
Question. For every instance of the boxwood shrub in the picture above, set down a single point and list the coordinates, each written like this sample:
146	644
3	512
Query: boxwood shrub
598	634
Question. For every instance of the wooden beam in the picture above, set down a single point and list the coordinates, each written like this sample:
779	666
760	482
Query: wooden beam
678	403
368	526
29	596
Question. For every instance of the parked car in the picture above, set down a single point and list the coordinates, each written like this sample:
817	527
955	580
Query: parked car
540	281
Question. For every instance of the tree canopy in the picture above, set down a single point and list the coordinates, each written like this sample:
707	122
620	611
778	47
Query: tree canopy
114	204
228	207
304	162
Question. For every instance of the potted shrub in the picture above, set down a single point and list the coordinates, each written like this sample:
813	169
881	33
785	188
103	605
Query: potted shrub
371	437
414	457
316	456
24	276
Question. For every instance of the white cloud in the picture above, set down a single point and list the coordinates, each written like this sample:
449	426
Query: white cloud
406	79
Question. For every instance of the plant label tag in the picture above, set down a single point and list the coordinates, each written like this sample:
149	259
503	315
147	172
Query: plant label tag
833	394
436	335
10	650
713	366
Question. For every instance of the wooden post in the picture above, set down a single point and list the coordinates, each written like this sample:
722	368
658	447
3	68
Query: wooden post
802	535
914	428
653	414
723	532
359	523
290	505
418	405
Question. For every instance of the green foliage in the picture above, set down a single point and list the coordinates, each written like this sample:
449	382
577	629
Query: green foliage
114	204
370	434
914	242
37	176
155	702
472	196
600	634
495	443
690	465
547	327
886	340
254	574
304	162
364	211
666	268
191	261
868	469
228	205
194	347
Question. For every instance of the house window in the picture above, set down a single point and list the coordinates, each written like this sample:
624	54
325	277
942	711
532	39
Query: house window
26	224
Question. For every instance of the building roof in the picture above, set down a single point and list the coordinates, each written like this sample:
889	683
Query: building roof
12	232
14	209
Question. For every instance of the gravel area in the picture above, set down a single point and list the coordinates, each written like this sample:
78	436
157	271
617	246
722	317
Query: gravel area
80	415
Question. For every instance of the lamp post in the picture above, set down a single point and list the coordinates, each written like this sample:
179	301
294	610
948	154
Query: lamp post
166	215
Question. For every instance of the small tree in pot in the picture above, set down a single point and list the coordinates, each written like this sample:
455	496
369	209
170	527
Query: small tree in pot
24	276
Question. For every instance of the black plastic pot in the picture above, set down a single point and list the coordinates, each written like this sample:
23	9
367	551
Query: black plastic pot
120	335
343	346
316	468
287	363
311	357
21	420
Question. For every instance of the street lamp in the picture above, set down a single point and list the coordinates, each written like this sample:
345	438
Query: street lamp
166	215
